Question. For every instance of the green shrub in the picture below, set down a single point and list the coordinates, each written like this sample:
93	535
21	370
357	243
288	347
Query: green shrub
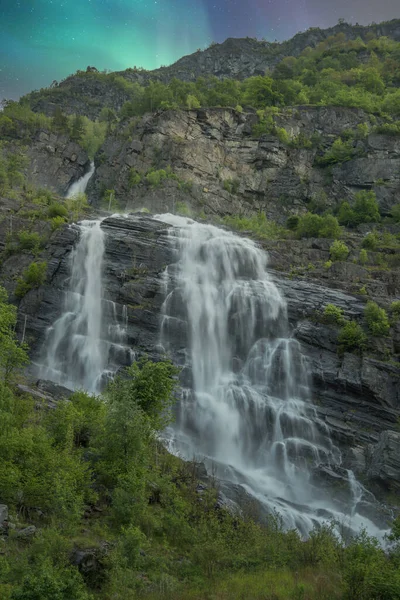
330	227
395	212
395	310
370	241
57	210
363	257
231	185
311	225
328	264
134	177
377	319
339	152
338	251
29	240
33	277
57	222
181	208
365	210
47	582
351	337
334	314
292	222
156	177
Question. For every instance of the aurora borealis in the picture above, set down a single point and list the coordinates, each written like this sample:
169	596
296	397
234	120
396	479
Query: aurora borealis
43	40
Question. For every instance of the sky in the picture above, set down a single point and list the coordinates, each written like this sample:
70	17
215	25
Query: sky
46	40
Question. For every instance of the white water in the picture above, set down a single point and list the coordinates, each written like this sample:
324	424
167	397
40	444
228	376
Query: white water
79	187
246	409
86	345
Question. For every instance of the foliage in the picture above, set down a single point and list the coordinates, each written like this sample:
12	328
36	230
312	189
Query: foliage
377	319
292	222
76	206
13	355
32	277
351	337
396	213
395	309
29	240
155	178
338	250
365	210
57	210
48	582
339	152
363	258
134	177
333	314
313	225
258	225
231	185
371	241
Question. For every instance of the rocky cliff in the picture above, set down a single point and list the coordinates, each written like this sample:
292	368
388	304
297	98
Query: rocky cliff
221	168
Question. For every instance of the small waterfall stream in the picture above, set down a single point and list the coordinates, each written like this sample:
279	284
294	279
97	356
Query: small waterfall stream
246	410
79	187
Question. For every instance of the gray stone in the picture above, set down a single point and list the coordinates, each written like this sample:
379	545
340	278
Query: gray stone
385	460
27	532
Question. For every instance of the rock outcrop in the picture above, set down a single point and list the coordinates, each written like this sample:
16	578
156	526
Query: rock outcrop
218	167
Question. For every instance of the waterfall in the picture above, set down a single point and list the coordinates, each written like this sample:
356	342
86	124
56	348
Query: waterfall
245	409
85	346
79	187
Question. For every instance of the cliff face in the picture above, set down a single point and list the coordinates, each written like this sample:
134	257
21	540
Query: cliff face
358	397
221	169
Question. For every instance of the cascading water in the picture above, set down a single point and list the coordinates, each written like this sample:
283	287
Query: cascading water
79	187
246	408
85	346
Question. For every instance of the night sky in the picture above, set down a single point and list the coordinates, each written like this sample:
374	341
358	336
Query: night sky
43	40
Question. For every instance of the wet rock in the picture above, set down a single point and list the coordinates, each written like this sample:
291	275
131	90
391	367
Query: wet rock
385	461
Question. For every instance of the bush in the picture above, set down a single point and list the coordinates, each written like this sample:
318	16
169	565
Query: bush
57	210
292	222
134	177
395	309
339	152
351	337
231	185
365	210
29	240
377	319
370	241
395	212
363	258
311	225
33	277
334	314
57	222
338	250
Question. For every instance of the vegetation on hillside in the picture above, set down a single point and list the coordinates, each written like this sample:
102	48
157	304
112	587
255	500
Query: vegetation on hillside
352	73
99	509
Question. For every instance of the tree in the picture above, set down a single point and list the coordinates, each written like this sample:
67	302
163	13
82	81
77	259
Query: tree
259	92
60	121
13	355
192	101
338	250
377	319
78	128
